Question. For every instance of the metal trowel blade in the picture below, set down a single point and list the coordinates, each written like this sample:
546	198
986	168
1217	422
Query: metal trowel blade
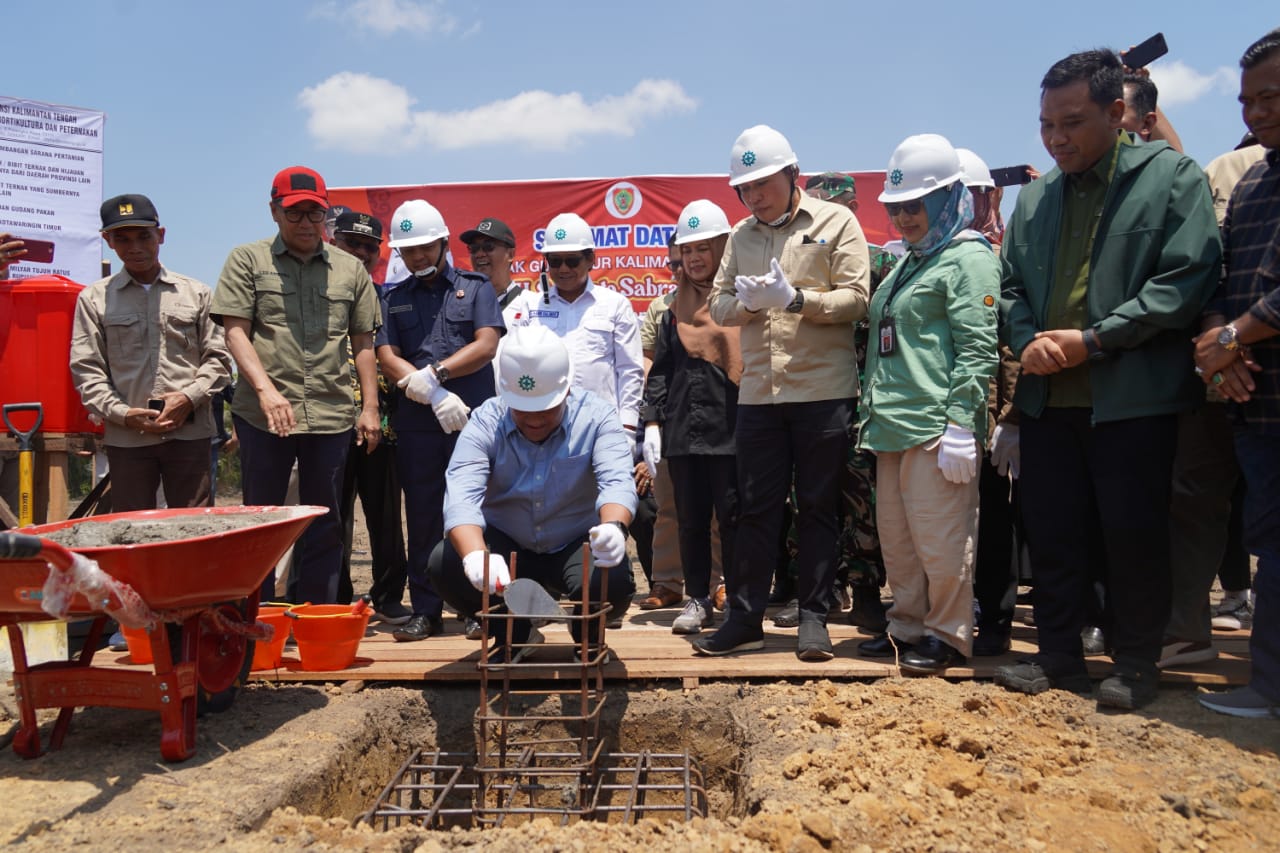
525	597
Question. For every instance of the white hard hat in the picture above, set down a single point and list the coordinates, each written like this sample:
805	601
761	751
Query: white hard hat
920	165
567	232
534	371
976	173
701	220
416	222
757	153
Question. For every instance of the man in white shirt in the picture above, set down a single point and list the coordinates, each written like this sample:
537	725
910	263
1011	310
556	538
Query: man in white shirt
598	325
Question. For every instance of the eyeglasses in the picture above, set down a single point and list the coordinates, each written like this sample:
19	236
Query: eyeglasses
294	215
674	266
486	247
570	262
910	208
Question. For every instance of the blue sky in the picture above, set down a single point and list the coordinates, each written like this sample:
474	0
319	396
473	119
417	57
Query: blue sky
205	102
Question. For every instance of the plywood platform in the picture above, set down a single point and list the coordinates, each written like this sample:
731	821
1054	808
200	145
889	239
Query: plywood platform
644	649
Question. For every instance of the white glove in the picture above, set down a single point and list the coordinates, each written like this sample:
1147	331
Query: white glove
958	454
499	575
1006	454
608	544
450	411
420	385
749	291
776	291
652	448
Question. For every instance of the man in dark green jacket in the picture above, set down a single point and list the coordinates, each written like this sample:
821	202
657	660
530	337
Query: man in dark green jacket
1107	262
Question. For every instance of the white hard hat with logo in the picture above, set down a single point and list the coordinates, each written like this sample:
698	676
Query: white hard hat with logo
976	173
568	232
417	222
534	371
701	220
920	165
757	153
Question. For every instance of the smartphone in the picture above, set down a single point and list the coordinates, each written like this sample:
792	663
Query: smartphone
1010	175
1142	55
38	251
158	406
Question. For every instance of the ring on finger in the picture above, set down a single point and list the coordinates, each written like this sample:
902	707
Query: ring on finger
1218	379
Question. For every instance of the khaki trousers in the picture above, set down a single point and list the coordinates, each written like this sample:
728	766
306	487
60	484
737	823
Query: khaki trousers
928	535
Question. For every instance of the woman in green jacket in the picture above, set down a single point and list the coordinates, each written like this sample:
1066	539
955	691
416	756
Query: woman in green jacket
923	408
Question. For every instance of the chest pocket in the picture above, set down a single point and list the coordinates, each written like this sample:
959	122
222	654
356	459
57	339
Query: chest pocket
180	328
567	474
920	302
597	334
456	327
126	335
808	265
268	301
338	301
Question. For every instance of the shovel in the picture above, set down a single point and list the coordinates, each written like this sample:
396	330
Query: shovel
527	599
26	458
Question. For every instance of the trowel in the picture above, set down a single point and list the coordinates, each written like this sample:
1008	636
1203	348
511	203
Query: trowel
526	598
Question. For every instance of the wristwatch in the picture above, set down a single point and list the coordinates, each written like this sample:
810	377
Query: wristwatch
1092	346
1227	338
441	372
797	303
621	526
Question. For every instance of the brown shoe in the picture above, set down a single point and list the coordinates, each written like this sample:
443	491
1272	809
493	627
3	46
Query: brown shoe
719	597
660	598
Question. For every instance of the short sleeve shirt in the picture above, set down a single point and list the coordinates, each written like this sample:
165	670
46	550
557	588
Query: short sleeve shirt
301	315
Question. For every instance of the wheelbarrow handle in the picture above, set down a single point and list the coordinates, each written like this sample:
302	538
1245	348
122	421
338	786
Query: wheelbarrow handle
24	436
20	546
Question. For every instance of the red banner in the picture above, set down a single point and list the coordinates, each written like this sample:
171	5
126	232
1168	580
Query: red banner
632	219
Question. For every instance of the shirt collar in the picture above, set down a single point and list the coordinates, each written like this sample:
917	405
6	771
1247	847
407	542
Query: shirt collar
122	278
279	248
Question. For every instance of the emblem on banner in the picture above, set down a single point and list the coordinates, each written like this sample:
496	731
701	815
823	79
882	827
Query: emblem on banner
623	200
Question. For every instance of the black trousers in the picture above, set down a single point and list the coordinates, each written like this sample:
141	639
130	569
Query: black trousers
266	460
995	574
422	457
1117	476
373	477
703	484
775	442
559	572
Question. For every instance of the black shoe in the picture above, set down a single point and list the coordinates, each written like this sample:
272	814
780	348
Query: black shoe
1030	677
991	642
1093	641
789	616
1130	686
418	628
883	647
392	613
814	643
731	637
471	628
931	656
868	611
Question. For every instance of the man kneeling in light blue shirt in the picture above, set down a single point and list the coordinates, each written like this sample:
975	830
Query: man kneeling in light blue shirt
537	471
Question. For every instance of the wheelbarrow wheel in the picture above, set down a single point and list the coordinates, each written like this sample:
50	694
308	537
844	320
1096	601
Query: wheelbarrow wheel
225	660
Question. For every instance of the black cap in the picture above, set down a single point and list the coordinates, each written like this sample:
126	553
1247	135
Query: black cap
126	210
495	228
355	222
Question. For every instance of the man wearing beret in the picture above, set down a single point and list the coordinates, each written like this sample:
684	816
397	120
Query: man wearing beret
147	358
291	307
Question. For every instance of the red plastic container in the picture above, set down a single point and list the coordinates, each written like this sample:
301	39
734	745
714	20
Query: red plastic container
139	643
328	635
267	655
35	345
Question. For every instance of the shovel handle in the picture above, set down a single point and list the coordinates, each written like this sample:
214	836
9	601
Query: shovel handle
24	436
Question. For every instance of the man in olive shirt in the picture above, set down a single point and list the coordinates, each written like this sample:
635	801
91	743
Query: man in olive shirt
1107	262
795	277
289	305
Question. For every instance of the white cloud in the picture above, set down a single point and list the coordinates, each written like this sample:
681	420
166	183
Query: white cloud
359	113
386	17
1179	83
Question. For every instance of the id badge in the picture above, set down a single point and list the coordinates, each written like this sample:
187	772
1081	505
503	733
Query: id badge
888	337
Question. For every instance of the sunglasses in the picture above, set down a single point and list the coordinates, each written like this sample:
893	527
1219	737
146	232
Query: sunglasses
486	247
910	208
571	262
294	215
674	265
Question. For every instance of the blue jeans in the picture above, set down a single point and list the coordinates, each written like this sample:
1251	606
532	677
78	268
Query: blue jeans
1258	453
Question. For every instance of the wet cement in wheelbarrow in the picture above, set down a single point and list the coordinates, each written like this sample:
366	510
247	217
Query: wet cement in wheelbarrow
103	534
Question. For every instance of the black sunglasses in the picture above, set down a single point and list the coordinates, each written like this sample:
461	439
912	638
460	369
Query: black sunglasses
674	265
486	246
571	262
910	208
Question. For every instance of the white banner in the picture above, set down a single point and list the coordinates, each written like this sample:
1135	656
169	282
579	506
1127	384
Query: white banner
51	185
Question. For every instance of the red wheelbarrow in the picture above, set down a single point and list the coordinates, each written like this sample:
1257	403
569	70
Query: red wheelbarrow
206	586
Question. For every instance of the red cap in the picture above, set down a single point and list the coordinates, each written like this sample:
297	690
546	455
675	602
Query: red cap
296	184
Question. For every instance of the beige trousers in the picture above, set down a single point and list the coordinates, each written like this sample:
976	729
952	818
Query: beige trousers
928	536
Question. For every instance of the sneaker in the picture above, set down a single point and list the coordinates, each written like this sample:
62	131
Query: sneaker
697	614
117	642
1242	702
1184	652
789	616
418	628
519	651
1235	612
1028	676
1129	687
392	613
471	628
731	637
813	642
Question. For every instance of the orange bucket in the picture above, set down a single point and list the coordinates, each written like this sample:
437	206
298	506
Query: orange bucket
328	635
139	644
266	655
